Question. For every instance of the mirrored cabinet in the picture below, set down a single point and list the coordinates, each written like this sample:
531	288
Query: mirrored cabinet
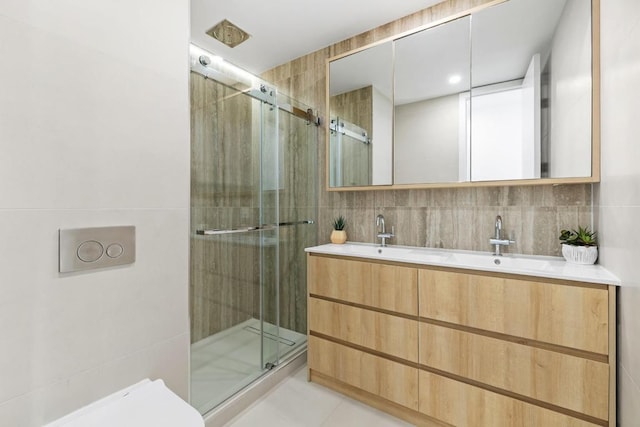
506	94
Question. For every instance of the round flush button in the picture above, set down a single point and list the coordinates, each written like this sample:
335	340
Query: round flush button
90	251
114	250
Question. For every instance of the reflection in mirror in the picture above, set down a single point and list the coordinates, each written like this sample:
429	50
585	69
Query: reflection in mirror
531	97
503	94
432	81
361	114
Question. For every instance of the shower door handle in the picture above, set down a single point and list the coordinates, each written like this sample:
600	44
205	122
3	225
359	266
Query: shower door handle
233	230
264	227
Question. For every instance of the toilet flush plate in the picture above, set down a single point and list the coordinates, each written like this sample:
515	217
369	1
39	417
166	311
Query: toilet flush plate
97	247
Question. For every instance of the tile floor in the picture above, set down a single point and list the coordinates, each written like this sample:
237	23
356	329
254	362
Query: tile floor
298	403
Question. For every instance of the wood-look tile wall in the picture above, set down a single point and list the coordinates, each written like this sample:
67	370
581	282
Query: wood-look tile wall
297	201
225	276
449	218
224	273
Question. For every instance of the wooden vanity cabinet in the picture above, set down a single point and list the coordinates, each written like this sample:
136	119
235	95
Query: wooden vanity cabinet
363	332
379	286
445	347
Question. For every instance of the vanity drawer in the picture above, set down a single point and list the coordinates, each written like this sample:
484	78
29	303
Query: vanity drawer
392	381
563	380
464	405
563	314
393	335
389	287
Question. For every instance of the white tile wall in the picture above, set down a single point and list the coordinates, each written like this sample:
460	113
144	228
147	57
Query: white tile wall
166	359
85	129
94	131
618	207
628	400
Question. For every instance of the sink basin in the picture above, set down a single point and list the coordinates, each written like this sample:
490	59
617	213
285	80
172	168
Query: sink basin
541	266
429	256
491	261
480	261
371	250
390	252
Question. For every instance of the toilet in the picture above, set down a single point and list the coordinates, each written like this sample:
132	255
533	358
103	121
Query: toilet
147	403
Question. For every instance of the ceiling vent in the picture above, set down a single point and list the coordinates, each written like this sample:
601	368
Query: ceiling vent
228	33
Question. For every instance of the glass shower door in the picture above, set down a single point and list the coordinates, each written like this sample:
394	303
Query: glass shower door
286	302
253	211
234	246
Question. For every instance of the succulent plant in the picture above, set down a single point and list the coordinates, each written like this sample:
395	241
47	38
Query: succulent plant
339	223
581	237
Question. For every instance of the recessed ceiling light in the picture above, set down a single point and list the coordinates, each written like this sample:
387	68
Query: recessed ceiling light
455	79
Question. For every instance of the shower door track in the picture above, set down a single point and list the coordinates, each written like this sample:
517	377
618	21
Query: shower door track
223	74
263	227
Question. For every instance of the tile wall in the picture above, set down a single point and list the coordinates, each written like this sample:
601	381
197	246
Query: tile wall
226	192
465	218
225	270
93	132
617	197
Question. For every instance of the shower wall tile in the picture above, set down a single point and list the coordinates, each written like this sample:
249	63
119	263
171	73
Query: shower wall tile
214	183
225	282
226	193
225	170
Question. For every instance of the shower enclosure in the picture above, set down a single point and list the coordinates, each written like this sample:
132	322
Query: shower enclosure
253	211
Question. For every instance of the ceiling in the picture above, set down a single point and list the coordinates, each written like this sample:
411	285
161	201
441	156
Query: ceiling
283	30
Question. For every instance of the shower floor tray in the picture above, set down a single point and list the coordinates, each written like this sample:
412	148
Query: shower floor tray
228	361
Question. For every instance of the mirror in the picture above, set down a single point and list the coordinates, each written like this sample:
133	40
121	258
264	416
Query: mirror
432	82
531	97
361	117
504	94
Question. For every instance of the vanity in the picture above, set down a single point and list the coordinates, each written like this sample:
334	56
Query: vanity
455	338
483	93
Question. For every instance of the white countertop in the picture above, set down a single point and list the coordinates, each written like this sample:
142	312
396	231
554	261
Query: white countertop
540	266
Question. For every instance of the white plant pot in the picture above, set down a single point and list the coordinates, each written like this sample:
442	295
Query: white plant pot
580	254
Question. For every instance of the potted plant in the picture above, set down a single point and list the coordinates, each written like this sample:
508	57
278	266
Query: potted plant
339	235
579	246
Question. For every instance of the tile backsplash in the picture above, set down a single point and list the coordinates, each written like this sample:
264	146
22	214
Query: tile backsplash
464	218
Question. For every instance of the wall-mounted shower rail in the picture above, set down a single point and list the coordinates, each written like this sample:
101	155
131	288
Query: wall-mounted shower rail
263	227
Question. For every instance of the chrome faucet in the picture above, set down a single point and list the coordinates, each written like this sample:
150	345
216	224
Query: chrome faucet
382	234
498	241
